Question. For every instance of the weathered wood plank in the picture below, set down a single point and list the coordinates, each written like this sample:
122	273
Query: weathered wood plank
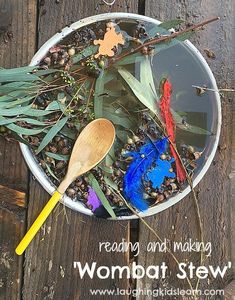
11	230
17	45
49	272
12	197
180	222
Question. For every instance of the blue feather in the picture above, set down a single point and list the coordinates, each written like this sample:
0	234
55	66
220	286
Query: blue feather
142	162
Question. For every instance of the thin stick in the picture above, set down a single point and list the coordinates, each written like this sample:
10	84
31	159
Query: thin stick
166	38
158	237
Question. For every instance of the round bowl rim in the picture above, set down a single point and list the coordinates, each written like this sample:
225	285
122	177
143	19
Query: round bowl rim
38	171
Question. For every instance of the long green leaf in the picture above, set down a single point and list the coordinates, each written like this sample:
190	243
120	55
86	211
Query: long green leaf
51	172
17	71
98	98
58	156
88	51
138	89
188	127
38	112
4	121
146	78
52	133
96	187
21	130
18	102
14	111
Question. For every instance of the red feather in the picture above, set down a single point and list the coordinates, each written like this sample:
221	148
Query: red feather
170	127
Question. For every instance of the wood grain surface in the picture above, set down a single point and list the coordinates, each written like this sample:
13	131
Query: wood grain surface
17	45
46	270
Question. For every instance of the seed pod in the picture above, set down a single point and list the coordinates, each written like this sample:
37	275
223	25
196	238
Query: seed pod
153	194
115	200
71	192
166	194
78	182
144	50
117	173
71	51
191	149
197	155
173	186
120	203
108	192
60	165
53	149
101	64
55	56
47	60
171	170
65	150
129	141
163	156
136	138
160	198
145	196
61	62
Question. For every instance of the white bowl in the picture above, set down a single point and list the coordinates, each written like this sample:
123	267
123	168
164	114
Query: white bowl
38	171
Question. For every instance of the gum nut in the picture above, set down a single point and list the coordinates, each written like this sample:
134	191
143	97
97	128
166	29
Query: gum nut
129	141
61	62
153	194
173	186
191	149
110	24
197	155
136	138
171	170
160	198
71	51
163	156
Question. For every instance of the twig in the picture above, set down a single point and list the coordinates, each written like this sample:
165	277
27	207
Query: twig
166	38
158	237
204	88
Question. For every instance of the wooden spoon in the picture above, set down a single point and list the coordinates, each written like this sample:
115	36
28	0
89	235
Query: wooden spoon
91	146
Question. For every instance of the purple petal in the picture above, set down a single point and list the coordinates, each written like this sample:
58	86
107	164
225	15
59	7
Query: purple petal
93	199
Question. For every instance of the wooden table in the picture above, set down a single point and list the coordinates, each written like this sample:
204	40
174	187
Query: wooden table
46	270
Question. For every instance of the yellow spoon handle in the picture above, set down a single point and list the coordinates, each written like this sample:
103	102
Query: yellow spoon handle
38	223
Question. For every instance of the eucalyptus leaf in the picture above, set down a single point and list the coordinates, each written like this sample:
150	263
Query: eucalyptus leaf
69	133
118	120
18	77
18	102
51	172
38	112
46	72
171	23
51	134
146	78
58	156
21	130
21	85
138	89
88	51
17	71
4	121
96	187
54	105
98	98
14	111
188	127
